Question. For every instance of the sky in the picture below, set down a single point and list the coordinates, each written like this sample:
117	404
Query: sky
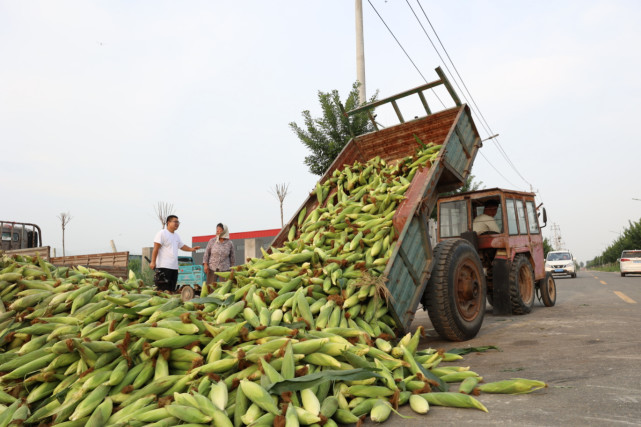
109	107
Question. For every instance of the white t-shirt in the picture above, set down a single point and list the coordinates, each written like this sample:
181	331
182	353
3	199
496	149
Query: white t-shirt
170	243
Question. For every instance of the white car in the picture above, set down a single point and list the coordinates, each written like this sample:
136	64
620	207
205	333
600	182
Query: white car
630	262
560	263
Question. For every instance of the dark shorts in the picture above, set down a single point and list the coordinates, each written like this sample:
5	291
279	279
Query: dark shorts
171	276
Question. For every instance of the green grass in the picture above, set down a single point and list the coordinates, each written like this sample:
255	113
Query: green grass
607	268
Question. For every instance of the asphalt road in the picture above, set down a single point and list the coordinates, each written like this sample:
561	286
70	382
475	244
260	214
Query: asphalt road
587	348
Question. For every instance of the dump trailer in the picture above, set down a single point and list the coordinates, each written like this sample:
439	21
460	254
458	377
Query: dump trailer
409	267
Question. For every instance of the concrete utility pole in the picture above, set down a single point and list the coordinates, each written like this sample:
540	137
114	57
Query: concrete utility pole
360	51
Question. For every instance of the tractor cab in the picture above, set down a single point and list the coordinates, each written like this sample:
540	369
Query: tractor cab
503	226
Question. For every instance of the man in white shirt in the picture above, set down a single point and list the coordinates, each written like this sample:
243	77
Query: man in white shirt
486	222
164	258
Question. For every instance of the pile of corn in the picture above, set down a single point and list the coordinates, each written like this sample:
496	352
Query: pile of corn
300	336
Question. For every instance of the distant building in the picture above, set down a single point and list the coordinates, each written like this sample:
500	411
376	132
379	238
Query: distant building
247	244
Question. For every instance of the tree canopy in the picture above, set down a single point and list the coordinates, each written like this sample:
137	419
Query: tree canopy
326	136
629	239
547	247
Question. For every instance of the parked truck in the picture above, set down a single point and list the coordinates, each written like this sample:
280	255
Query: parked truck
19	235
23	238
450	280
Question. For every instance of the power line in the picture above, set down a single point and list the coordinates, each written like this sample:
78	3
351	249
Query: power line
484	122
403	49
476	109
439	55
493	167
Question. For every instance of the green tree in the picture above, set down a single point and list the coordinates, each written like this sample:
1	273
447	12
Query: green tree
547	247
470	185
629	239
326	136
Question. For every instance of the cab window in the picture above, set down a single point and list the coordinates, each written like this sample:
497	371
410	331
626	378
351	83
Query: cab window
479	209
520	208
452	218
531	218
7	236
511	217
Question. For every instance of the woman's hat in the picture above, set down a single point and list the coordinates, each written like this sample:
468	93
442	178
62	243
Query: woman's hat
225	233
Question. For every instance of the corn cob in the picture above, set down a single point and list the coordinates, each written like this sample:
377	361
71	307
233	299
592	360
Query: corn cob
512	386
259	396
380	411
188	414
457	400
468	384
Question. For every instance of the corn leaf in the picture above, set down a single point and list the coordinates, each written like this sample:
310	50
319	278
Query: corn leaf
481	349
213	300
313	380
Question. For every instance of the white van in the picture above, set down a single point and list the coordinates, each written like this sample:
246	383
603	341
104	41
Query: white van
560	263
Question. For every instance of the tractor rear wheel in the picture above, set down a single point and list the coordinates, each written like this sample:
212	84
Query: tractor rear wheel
521	285
456	291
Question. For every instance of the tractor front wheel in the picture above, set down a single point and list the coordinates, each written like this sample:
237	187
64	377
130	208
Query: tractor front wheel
521	285
548	290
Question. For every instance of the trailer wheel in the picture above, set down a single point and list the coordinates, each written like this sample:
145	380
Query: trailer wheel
455	293
521	285
186	293
548	290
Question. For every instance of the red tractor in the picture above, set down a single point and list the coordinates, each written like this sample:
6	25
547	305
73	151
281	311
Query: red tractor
490	246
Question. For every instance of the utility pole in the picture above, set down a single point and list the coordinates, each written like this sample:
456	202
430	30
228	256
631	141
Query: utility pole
360	51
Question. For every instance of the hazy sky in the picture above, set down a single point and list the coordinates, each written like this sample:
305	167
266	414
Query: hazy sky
108	107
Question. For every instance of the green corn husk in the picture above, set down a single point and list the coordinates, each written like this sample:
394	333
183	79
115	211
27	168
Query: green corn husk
457	400
468	384
512	386
419	404
381	411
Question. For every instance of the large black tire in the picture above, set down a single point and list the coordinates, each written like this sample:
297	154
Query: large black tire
456	291
548	290
521	285
622	274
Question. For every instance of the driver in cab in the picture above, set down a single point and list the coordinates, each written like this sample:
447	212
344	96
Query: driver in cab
485	222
